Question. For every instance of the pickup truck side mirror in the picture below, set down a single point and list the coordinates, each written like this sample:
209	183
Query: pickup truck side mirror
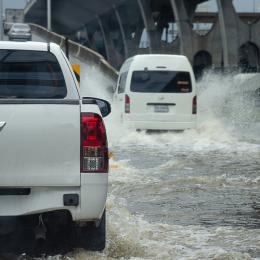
104	106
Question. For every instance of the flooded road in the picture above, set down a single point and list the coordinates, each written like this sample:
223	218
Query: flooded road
183	195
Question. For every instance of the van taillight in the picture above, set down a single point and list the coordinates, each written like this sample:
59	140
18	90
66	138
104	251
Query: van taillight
194	106
127	104
94	151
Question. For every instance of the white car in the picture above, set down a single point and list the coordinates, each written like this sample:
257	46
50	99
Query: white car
157	92
20	31
53	153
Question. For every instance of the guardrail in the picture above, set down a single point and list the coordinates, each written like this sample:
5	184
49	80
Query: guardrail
77	50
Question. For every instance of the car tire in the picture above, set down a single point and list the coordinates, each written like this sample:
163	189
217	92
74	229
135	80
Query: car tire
10	39
11	240
94	239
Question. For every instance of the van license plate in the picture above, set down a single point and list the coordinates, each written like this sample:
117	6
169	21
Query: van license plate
162	109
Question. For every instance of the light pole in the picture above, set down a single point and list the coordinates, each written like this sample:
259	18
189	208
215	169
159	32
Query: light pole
1	21
49	14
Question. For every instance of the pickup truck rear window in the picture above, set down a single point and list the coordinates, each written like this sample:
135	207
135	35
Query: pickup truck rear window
161	82
30	74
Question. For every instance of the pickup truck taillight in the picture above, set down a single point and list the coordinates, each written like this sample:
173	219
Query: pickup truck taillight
94	151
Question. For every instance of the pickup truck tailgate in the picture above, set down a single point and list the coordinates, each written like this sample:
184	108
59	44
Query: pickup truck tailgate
40	143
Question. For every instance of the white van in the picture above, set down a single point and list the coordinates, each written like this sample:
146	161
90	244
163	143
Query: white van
157	92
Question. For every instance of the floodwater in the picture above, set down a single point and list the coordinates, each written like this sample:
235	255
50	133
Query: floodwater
183	195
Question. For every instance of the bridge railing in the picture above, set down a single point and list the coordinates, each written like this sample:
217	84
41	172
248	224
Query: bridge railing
77	50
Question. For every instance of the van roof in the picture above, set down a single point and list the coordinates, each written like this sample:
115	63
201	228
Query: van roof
157	61
143	56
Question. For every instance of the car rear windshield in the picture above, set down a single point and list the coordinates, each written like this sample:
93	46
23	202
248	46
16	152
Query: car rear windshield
30	74
21	26
161	82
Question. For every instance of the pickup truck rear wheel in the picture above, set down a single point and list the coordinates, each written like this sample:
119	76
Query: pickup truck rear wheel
94	238
10	233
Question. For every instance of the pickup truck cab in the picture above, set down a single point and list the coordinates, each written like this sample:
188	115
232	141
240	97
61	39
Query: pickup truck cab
53	152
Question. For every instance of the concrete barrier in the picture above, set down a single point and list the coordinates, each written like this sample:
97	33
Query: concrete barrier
77	50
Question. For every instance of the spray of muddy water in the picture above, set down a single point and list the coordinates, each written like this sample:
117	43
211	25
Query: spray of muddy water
190	195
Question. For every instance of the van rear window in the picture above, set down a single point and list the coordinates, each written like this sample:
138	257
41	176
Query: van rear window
30	74
161	82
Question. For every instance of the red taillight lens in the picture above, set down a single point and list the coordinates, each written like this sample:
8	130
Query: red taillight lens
194	106
127	104
29	31
13	31
94	149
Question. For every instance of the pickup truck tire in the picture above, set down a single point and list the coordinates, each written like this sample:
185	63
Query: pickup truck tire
11	240
94	239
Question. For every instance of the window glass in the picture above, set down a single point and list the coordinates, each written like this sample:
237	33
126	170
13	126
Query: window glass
21	26
30	74
161	82
122	82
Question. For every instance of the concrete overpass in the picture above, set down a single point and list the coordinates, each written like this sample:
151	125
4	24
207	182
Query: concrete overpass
233	42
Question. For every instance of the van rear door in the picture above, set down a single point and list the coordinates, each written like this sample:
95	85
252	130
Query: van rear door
40	134
161	96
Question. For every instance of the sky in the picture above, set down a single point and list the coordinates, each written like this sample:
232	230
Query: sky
17	4
240	5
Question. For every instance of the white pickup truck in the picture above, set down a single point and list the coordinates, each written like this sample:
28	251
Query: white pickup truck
53	154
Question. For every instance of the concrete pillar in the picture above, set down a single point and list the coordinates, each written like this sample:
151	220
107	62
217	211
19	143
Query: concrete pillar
191	8
185	29
90	39
162	21
1	21
138	33
154	46
229	32
125	31
49	14
112	56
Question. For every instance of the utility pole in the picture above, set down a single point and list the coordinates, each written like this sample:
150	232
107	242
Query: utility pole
1	21
49	14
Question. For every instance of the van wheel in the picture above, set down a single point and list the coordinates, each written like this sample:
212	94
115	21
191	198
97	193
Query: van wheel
94	238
